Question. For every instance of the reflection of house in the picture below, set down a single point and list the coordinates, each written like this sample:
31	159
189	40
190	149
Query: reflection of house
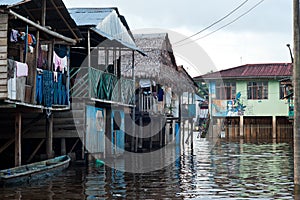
163	89
34	68
249	94
100	95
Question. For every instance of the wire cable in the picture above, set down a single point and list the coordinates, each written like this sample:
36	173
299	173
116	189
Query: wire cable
237	18
218	21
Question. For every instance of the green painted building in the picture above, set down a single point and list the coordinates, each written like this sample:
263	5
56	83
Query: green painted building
250	94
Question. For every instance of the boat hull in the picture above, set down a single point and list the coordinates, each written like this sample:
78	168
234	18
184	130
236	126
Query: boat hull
33	172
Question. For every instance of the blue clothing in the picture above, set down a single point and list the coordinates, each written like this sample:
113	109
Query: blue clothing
39	89
48	88
160	95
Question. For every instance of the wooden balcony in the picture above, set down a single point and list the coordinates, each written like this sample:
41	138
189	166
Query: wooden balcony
101	86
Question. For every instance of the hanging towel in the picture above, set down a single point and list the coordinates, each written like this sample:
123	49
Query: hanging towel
14	35
22	69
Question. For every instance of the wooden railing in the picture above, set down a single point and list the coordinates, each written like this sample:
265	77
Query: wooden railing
94	83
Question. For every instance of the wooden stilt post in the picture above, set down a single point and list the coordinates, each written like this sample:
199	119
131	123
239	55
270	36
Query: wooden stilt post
63	146
241	126
49	135
150	131
192	133
160	132
18	131
133	148
274	127
173	129
140	139
296	82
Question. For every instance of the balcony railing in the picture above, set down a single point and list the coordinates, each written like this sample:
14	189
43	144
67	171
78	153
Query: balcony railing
97	84
51	89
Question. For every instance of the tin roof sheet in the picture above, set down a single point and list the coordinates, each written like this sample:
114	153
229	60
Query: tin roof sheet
89	16
252	70
9	2
31	9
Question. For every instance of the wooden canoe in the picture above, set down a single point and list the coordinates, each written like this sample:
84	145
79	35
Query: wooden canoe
34	171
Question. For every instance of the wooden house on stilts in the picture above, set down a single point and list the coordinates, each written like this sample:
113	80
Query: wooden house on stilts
35	40
101	96
164	95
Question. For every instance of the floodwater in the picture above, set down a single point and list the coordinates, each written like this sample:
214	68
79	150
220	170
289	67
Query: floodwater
221	170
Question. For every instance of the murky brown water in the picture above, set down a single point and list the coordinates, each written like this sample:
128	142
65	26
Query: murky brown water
231	170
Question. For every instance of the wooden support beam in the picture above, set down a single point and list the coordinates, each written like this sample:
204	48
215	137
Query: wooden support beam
241	126
65	21
41	28
150	133
74	145
133	109
12	140
140	138
35	151
173	129
33	91
6	145
18	131
44	12
63	150
192	133
49	136
160	133
274	127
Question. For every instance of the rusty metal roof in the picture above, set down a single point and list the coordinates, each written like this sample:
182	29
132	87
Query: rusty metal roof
252	71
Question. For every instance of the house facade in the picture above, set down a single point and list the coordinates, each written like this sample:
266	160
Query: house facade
248	95
101	96
34	74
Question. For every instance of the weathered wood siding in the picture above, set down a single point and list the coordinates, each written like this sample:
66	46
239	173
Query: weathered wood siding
3	55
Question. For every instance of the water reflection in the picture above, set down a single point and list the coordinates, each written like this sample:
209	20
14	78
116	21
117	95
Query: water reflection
231	170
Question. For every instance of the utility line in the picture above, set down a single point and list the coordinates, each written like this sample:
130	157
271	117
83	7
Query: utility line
245	13
230	13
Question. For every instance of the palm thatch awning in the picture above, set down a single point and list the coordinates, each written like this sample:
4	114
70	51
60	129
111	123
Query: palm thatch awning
159	64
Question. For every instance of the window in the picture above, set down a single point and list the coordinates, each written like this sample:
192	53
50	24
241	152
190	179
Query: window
257	90
226	90
285	89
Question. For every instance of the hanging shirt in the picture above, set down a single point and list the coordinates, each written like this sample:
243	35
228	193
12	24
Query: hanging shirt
22	69
29	39
56	61
14	35
64	64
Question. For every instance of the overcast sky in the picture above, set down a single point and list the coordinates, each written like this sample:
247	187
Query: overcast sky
258	37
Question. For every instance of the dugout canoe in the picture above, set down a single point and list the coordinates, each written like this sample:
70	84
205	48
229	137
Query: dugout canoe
34	171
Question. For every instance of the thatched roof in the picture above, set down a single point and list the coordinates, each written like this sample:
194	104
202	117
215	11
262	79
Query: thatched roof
159	64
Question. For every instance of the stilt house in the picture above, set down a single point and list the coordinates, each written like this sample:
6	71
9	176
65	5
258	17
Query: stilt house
35	40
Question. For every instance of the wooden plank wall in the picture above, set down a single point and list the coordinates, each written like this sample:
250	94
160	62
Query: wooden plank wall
260	128
3	55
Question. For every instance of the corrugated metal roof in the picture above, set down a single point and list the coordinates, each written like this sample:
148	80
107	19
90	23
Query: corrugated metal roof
9	2
89	16
252	70
31	9
106	22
